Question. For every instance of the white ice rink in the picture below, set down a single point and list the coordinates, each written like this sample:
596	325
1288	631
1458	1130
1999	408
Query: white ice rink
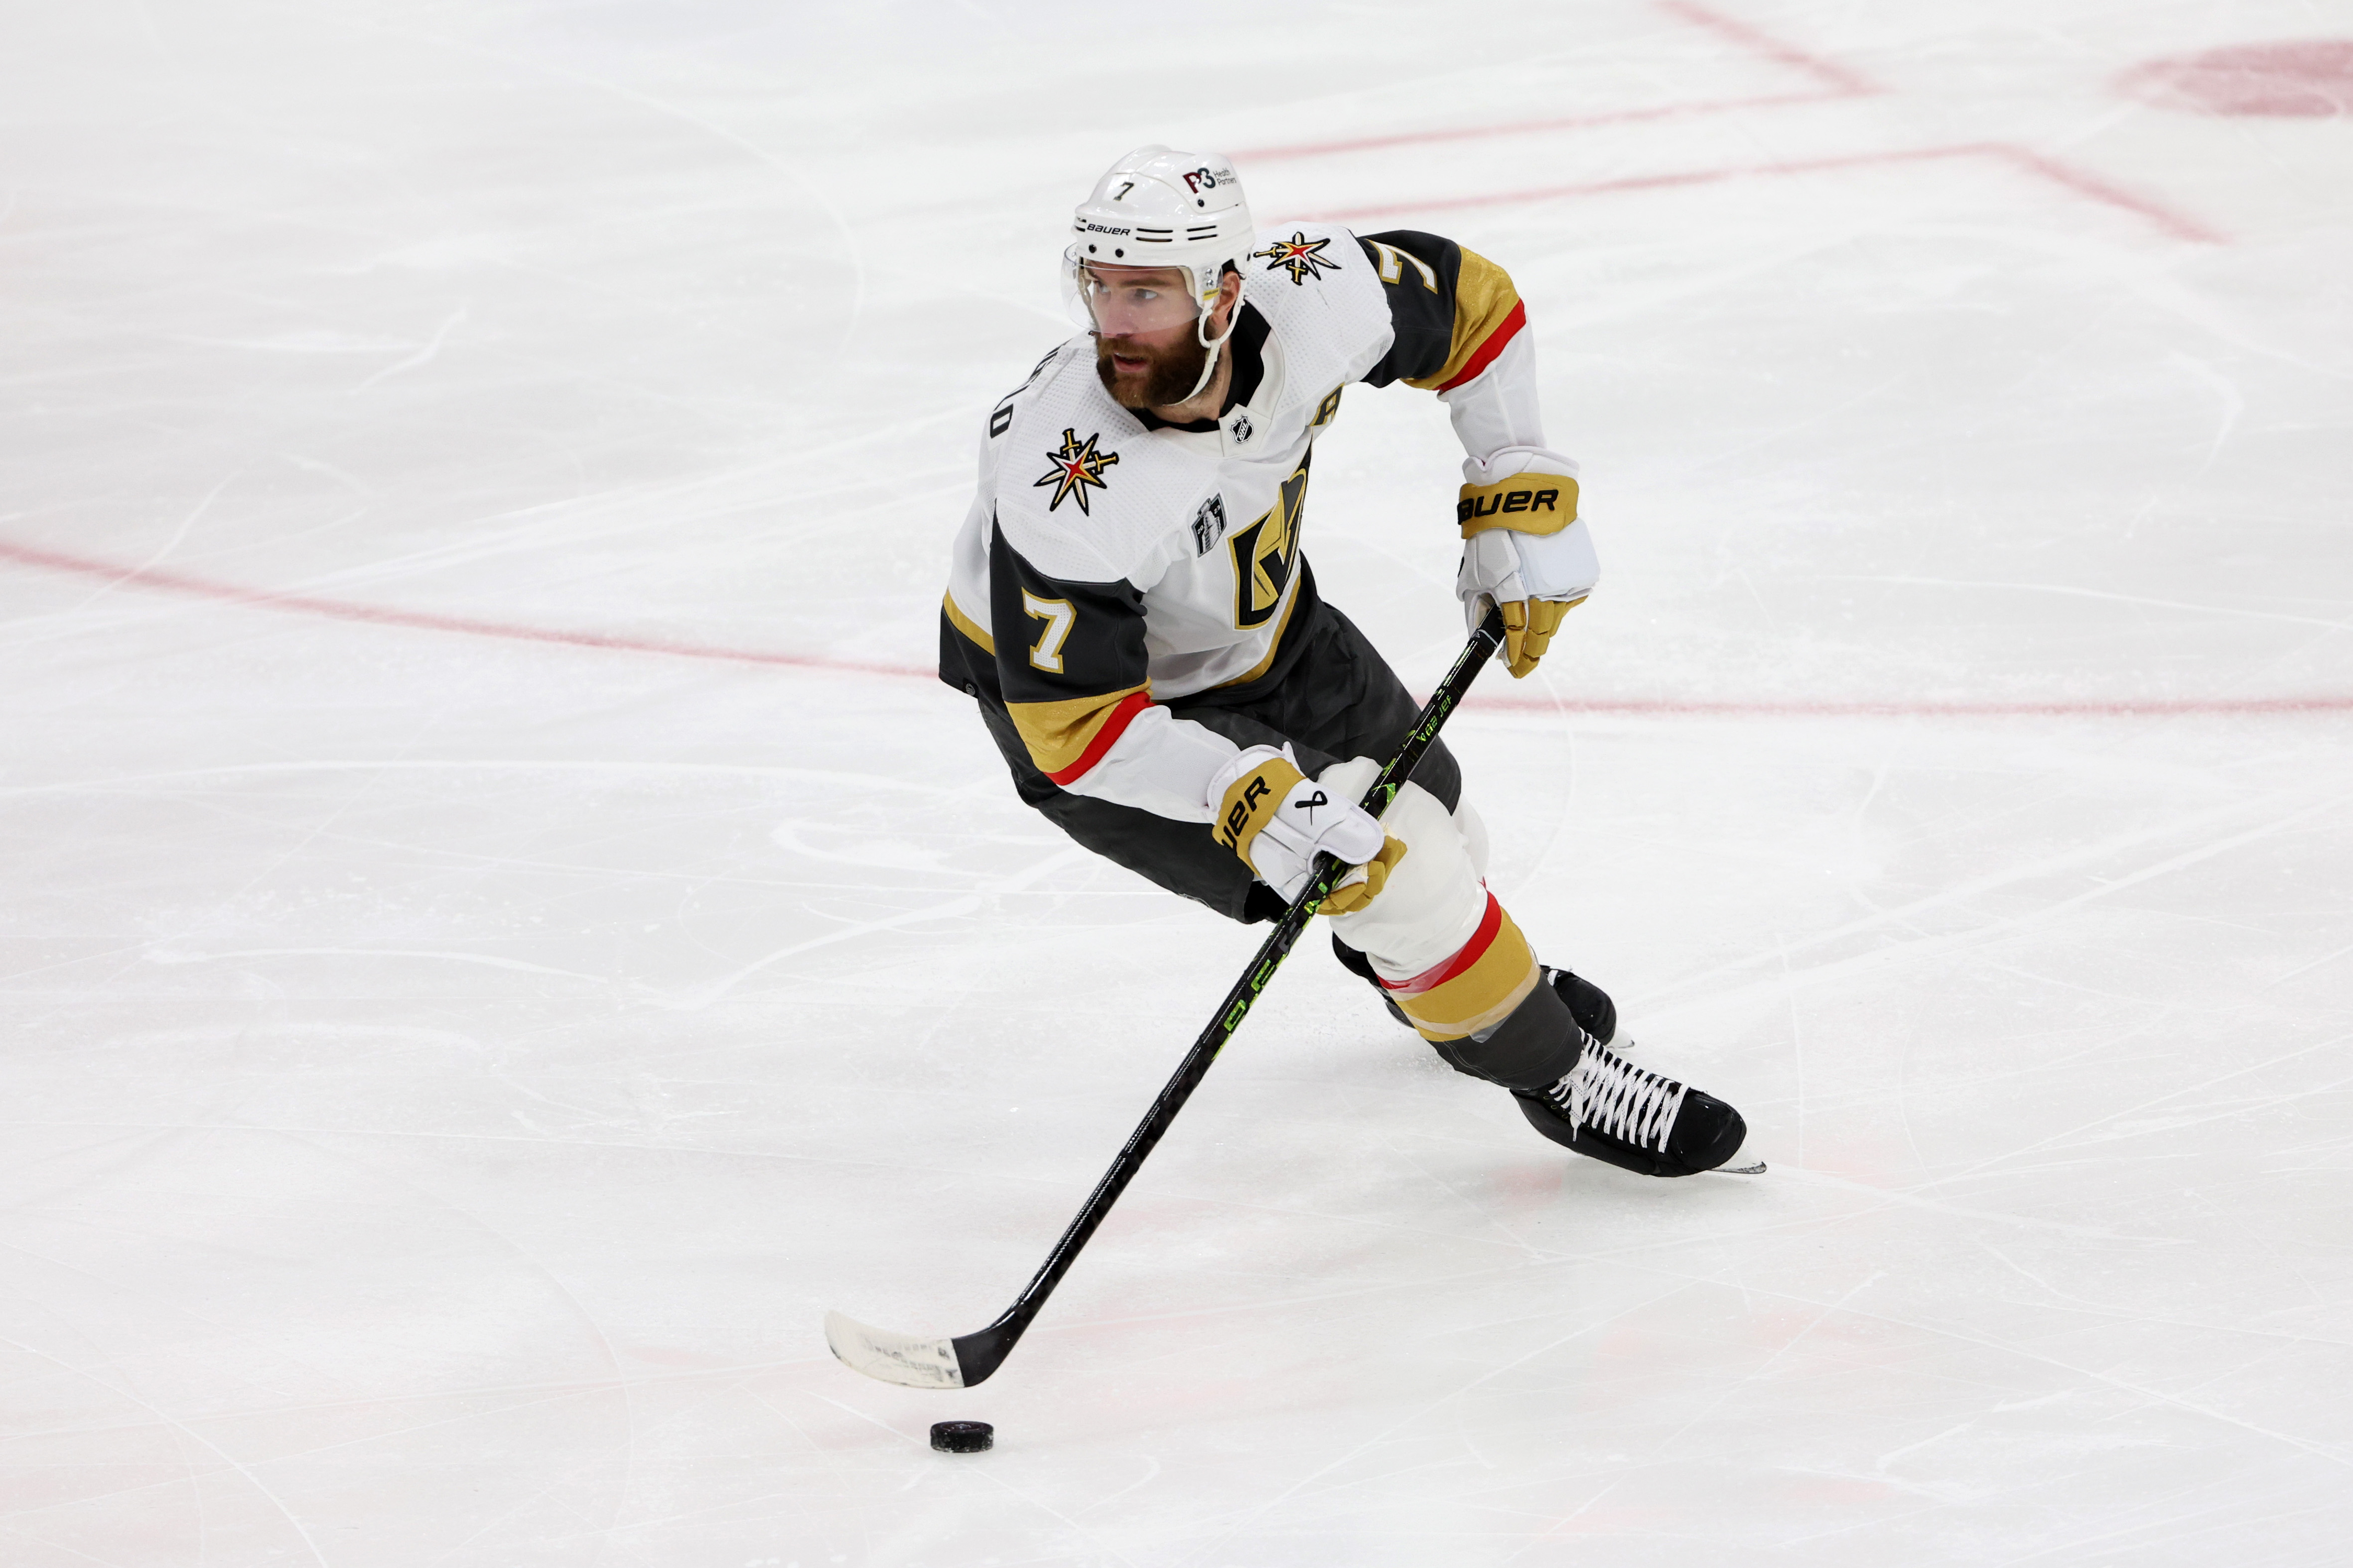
501	933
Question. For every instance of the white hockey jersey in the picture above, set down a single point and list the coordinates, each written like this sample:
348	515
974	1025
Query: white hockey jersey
1112	563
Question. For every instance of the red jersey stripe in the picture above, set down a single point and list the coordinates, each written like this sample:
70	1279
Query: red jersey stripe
1484	356
1113	728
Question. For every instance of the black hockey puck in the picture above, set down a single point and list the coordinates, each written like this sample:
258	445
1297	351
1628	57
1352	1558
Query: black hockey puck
963	1436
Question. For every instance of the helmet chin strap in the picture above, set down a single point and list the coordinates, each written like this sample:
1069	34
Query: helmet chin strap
1214	345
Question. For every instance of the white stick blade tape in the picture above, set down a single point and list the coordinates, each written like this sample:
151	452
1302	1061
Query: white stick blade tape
903	1359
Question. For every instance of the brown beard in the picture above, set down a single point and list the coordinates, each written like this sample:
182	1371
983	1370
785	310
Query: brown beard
1169	378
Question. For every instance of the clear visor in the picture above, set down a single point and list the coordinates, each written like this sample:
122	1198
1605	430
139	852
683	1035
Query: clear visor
1119	300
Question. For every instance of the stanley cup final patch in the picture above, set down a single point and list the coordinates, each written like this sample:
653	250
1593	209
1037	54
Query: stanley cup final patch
1075	467
1208	524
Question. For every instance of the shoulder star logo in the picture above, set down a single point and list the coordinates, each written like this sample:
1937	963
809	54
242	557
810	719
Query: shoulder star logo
1076	466
1302	257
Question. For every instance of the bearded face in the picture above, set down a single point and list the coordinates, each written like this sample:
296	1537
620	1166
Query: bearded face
1140	372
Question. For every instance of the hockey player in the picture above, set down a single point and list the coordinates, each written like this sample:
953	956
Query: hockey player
1130	604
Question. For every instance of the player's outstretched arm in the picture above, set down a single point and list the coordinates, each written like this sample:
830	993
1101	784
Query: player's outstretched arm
1459	330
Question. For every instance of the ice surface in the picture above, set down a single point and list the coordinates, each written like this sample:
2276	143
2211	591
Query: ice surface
501	936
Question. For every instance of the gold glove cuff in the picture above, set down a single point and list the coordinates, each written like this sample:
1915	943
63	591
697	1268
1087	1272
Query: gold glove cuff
1251	803
1531	503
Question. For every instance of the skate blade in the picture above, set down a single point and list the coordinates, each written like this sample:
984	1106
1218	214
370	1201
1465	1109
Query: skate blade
1756	1169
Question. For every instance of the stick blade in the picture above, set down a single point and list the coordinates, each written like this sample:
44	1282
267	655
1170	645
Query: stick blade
907	1360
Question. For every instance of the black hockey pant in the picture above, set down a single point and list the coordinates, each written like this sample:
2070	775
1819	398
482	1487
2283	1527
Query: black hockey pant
1338	698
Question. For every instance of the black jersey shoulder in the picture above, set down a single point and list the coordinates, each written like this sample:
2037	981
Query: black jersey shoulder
1069	638
1419	273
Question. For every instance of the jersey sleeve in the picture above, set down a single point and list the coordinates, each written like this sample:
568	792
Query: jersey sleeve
1073	665
1461	330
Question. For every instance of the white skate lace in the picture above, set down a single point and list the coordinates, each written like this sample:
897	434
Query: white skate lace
1616	1098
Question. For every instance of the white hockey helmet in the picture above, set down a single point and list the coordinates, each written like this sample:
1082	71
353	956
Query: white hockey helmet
1158	208
1155	207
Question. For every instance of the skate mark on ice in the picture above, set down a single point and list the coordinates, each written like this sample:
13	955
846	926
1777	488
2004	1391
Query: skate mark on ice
1910	1197
1421	1413
990	1474
1757	1373
972	902
1315	1297
2066	1301
2090	1374
2306	968
1486	1216
425	355
2057	1140
2066	591
522	1254
228	1460
662	108
1975	936
168	953
830	778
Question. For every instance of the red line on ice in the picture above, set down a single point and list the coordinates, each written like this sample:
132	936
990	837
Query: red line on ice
377	615
2090	706
1840	83
1843	82
2068	177
1522	127
469	625
2086	184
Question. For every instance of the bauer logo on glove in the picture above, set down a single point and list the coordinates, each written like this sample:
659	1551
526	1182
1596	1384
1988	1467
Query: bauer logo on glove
1524	550
1278	820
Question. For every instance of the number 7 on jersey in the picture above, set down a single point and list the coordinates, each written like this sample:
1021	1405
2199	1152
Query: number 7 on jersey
1045	654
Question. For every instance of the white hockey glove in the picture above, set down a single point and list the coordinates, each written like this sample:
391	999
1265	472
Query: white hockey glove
1523	549
1278	820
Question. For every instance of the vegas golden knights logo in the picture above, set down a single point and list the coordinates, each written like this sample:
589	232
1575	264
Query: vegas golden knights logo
1302	258
1266	553
1076	466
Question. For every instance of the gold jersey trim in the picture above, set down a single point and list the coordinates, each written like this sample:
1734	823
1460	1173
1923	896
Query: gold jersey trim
966	625
1484	300
1066	738
1273	647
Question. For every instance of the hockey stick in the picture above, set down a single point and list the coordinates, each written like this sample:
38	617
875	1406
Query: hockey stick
960	1362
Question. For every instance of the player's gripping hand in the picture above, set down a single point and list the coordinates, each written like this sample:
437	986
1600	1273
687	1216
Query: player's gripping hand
1524	550
1278	820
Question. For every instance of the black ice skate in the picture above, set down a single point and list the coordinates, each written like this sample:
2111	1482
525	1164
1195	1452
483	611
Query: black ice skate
1609	1109
1590	1006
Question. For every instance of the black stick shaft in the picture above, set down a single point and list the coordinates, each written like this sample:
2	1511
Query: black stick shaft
979	1355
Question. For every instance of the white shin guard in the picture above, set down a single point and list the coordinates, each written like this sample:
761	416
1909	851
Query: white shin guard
1434	900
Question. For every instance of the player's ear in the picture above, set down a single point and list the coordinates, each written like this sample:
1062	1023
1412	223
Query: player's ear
1230	291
